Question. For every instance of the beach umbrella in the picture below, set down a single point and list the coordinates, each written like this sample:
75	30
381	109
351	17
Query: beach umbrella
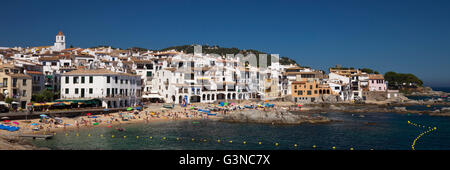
129	108
6	121
88	114
3	118
16	123
42	115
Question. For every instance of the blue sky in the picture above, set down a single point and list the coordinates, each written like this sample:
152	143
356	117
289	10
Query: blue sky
406	36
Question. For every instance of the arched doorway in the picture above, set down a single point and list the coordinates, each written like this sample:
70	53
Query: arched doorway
220	96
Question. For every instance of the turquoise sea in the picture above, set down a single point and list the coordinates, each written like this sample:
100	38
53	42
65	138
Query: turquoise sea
385	131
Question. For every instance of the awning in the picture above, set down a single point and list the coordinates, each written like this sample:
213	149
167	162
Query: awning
152	96
82	101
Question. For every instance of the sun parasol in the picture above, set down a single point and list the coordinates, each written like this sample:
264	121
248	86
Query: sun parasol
129	108
3	118
15	123
89	114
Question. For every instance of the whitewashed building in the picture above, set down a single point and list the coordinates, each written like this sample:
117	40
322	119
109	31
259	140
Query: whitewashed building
113	89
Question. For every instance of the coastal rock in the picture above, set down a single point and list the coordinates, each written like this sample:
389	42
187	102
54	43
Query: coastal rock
445	109
328	99
402	109
11	143
272	117
333	107
427	91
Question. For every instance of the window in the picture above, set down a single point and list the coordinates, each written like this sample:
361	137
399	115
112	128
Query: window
121	81
108	79
75	80
309	92
310	86
24	93
76	91
91	79
14	82
91	90
107	91
5	82
24	82
116	79
82	80
315	91
67	80
67	91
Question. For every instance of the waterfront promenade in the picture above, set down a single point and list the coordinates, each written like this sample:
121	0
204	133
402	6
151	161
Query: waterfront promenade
60	113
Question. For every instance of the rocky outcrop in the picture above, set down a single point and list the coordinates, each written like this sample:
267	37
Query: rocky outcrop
13	143
272	117
401	109
328	99
427	91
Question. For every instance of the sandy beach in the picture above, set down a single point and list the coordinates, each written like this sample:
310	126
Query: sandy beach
151	113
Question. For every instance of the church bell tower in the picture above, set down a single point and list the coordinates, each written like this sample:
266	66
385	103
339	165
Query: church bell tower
60	43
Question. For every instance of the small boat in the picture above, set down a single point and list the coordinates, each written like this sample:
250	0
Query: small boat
362	116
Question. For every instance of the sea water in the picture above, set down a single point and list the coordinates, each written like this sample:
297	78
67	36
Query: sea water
378	131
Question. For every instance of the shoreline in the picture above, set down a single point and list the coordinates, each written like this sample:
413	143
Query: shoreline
155	113
12	141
